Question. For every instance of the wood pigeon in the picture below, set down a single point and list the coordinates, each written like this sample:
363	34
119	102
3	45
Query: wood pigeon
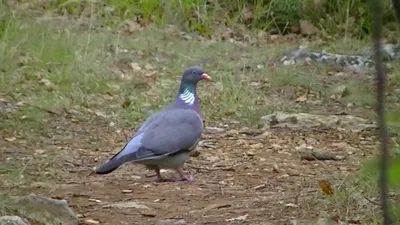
165	139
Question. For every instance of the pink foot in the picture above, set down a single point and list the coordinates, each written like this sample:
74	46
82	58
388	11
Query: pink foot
188	178
175	179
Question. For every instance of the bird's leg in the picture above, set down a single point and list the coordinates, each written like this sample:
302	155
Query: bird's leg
159	177
183	177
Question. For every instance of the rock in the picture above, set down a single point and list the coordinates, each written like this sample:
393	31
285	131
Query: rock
171	222
303	121
43	209
122	205
12	220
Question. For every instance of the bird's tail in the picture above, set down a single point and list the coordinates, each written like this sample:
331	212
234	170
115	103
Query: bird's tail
127	153
108	166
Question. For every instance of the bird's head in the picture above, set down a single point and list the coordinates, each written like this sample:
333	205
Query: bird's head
194	74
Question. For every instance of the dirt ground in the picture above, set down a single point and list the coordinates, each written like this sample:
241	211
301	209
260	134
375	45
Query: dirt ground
243	176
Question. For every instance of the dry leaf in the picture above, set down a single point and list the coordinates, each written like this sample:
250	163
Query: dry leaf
127	191
40	151
126	104
90	221
148	214
302	98
47	82
239	218
130	26
306	27
74	121
326	187
10	139
292	205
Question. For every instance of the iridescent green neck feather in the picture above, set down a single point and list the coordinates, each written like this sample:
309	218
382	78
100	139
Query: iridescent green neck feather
187	93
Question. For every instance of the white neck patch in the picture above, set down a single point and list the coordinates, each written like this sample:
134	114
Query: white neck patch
187	97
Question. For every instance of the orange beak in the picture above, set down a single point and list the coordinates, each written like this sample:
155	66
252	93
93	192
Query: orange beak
205	76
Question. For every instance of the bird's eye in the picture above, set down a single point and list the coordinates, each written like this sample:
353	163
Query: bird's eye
194	72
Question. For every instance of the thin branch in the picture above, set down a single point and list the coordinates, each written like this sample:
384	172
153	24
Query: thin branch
380	107
396	6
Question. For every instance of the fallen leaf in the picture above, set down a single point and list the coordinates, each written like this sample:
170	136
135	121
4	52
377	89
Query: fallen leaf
126	104
353	222
10	139
306	27
258	187
122	205
90	221
326	187
217	206
127	191
130	26
302	98
148	214
74	121
40	151
240	218
135	66
292	205
275	168
101	114
47	83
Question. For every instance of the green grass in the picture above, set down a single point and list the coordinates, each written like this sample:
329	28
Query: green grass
351	18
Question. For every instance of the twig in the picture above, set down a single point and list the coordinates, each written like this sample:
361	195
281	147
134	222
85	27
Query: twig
24	168
373	202
380	108
227	168
311	156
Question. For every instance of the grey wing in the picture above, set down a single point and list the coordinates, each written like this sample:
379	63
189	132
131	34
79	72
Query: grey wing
173	131
148	121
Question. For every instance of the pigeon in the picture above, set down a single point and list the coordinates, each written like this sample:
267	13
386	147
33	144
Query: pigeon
166	138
